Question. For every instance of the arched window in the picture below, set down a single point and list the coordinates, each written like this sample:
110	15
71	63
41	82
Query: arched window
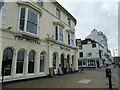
54	60
31	62
7	61
20	61
42	62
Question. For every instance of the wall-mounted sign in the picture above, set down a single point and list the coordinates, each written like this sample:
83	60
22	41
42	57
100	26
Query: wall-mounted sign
22	38
78	42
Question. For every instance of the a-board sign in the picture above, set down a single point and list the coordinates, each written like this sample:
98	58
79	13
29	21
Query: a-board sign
51	70
60	70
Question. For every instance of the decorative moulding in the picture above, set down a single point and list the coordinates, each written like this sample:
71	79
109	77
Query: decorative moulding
70	30
58	23
31	5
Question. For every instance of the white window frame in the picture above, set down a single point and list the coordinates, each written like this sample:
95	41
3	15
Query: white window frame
69	21
91	61
71	39
58	35
25	24
58	13
40	3
43	72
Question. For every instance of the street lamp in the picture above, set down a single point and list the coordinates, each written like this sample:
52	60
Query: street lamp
114	54
1	4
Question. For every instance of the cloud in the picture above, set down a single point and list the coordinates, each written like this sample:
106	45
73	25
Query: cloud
100	15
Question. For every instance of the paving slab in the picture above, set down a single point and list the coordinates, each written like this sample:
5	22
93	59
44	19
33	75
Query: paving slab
95	80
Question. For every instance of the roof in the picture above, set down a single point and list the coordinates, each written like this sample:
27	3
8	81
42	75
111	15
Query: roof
86	40
61	7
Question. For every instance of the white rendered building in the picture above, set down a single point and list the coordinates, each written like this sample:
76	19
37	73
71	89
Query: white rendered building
93	51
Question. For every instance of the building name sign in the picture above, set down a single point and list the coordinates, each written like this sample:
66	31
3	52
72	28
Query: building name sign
64	48
78	42
26	39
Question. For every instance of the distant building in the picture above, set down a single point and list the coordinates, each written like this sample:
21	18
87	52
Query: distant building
93	51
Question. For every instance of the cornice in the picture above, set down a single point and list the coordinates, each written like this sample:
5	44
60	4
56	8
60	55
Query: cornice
61	43
31	5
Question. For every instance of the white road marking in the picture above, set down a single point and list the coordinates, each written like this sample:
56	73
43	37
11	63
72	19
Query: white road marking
85	81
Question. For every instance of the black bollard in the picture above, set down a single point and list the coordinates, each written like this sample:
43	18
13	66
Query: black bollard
110	81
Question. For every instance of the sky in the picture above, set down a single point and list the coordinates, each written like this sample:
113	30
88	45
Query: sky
99	14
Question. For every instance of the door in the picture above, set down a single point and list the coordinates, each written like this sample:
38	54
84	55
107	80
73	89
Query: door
98	65
84	64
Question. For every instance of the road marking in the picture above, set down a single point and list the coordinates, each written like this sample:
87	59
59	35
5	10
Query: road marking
85	81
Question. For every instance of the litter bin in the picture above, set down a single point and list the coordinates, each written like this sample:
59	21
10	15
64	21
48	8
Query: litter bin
108	72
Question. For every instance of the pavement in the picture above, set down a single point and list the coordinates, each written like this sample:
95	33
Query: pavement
83	79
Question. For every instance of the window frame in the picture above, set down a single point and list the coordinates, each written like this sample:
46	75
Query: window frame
81	56
69	21
71	39
58	34
93	45
91	61
43	55
19	61
26	19
58	13
40	3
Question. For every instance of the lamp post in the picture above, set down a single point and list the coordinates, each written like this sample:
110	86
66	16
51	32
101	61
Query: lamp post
1	4
114	54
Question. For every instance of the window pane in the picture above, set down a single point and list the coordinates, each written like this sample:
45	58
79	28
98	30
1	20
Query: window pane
81	54
32	22
7	61
31	27
22	13
40	3
21	27
72	39
31	62
20	56
32	16
93	45
60	33
56	32
42	59
69	38
58	13
22	19
20	60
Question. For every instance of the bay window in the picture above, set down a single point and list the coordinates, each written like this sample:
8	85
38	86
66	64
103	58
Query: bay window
28	21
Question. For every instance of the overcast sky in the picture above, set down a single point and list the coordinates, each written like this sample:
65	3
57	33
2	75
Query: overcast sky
100	15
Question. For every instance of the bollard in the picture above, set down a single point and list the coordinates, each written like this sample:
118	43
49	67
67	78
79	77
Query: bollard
110	81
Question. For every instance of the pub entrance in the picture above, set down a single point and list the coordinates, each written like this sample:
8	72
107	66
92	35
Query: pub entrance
62	63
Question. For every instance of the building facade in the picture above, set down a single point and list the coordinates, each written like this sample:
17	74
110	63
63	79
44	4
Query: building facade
93	52
101	38
36	36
